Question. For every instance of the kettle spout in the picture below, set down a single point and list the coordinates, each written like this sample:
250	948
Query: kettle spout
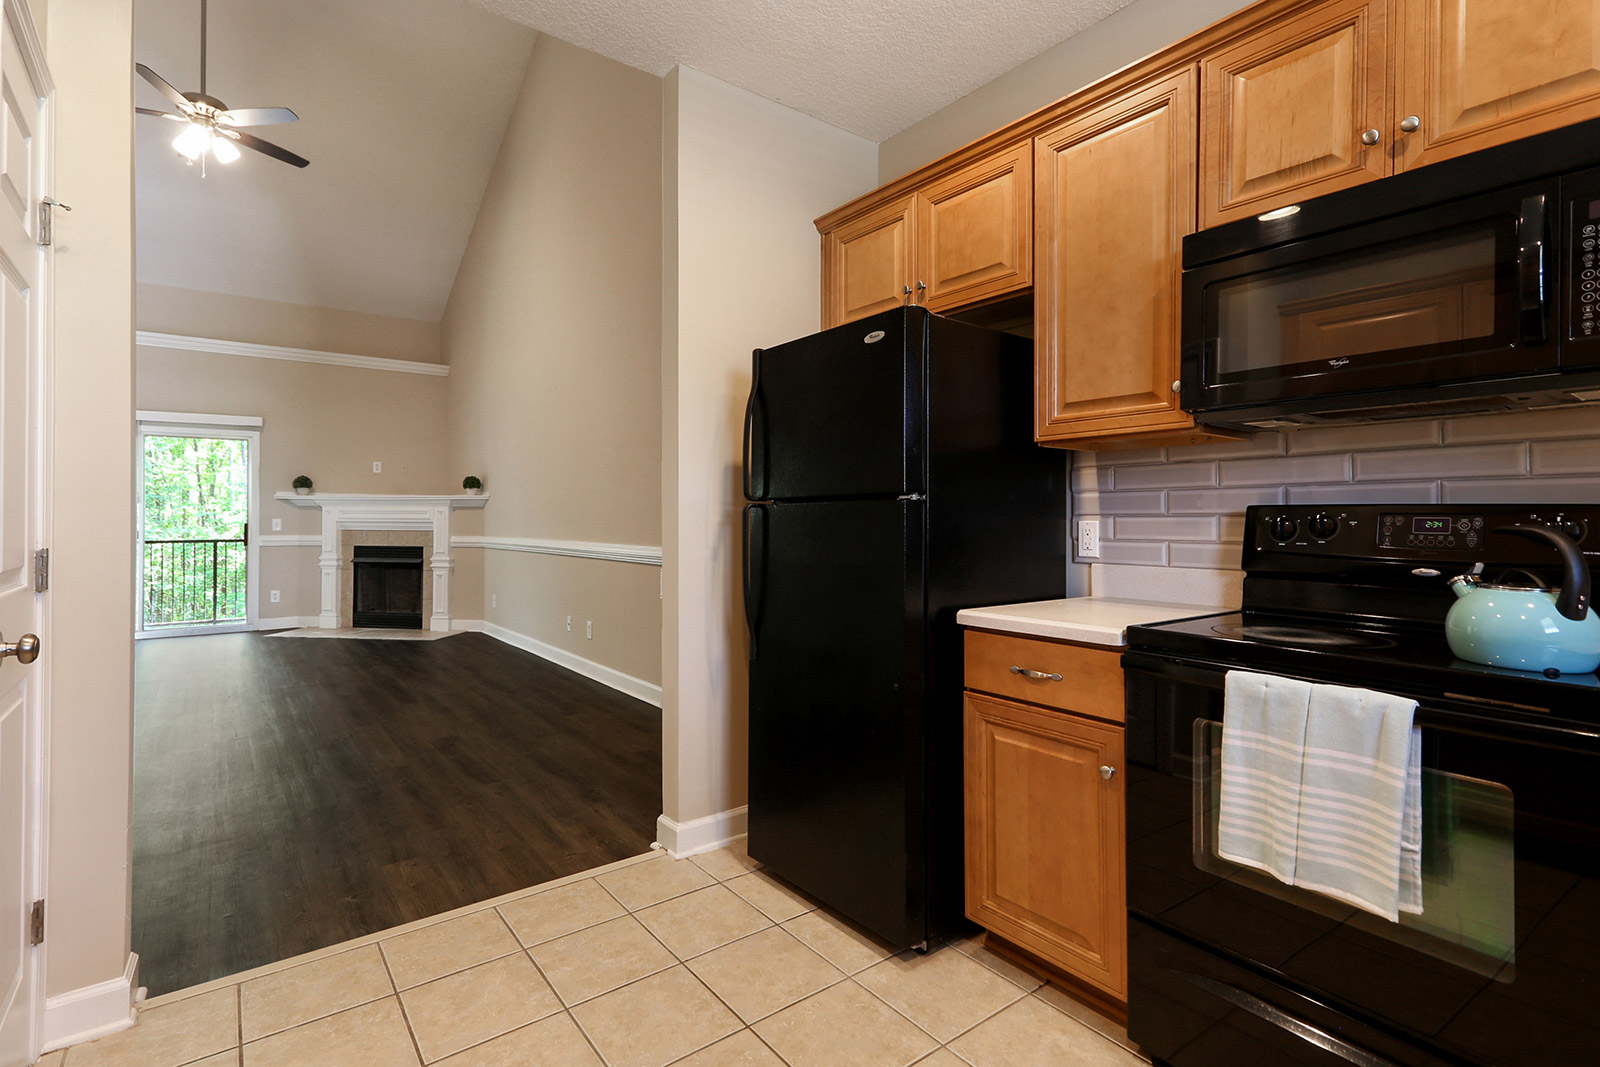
1462	584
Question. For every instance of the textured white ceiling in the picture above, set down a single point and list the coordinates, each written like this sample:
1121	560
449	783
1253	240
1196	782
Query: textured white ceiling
402	106
870	68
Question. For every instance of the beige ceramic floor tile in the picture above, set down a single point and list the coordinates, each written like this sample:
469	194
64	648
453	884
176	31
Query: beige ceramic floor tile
974	947
702	920
655	1020
229	1058
725	863
552	1042
460	1010
175	1033
1032	1034
943	1058
373	1035
560	911
776	900
945	992
743	1049
653	881
444	948
838	942
52	1059
310	991
602	958
762	973
844	1026
1070	1005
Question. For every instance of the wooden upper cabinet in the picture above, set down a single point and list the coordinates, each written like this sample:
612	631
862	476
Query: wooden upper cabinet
1283	111
975	230
868	262
1477	73
1113	198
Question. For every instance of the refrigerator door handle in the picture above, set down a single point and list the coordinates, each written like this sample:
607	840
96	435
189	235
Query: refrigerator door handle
754	488
755	550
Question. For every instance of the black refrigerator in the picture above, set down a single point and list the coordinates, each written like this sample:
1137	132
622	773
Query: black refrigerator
893	480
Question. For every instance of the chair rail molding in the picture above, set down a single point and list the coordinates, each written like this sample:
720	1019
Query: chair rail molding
384	511
218	347
649	555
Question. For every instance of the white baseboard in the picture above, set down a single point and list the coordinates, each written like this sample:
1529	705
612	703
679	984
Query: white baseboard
702	834
637	688
287	622
91	1012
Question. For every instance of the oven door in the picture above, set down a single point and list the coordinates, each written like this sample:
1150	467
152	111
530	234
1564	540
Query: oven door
1449	294
1501	967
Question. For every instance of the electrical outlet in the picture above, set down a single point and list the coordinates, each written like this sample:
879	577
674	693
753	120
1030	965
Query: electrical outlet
590	627
569	624
274	596
277	524
1089	538
377	468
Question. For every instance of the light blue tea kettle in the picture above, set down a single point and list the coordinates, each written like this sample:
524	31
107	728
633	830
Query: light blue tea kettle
1527	628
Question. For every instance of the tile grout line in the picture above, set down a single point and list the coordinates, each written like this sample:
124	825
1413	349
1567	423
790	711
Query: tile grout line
565	1009
405	1017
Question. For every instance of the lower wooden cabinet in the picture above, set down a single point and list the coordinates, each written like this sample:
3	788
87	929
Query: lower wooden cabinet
1046	855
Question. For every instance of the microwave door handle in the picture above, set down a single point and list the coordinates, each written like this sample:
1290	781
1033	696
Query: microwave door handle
1532	296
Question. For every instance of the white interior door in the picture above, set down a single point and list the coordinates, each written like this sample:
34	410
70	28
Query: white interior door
24	155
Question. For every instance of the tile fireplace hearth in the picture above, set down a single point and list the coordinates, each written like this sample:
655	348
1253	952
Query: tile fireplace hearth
390	520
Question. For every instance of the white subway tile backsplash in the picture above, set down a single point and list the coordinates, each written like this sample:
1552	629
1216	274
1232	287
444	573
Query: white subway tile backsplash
1231	528
1144	553
1128	457
1286	470
1481	461
1581	421
1090	476
1363	438
1166	476
1093	500
1219	556
1564	457
1522	491
1218	501
1262	444
1367	493
1166	528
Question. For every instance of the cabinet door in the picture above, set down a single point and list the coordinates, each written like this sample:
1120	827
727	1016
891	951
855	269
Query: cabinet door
1283	111
1045	850
975	231
1113	198
1476	73
868	263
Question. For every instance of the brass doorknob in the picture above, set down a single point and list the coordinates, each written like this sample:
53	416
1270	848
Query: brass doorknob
26	649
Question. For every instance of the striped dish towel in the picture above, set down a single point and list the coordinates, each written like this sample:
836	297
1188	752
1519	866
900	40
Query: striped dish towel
1263	735
1359	836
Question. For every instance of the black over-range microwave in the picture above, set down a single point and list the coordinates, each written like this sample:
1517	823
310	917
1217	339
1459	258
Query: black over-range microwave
1469	285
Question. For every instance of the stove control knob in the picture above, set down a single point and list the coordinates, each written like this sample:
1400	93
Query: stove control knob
1283	528
1572	528
1324	526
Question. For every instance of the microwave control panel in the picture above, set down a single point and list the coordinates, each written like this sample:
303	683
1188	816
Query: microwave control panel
1585	269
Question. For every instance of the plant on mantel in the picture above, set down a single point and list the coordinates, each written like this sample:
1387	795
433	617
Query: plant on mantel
302	484
472	484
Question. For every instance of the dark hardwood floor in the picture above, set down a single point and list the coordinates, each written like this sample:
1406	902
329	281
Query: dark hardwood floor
291	794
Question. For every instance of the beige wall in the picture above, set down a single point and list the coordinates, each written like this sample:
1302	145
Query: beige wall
219	316
89	645
324	421
552	334
744	179
1135	31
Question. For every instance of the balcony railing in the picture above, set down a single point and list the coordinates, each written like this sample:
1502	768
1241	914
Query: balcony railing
197	582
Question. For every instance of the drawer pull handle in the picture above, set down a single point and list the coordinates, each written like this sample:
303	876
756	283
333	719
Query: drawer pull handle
1034	674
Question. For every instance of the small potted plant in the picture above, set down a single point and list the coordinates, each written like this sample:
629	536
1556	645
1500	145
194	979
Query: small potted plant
472	484
302	484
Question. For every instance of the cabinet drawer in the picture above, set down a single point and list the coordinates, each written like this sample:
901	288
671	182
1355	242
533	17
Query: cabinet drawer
1091	678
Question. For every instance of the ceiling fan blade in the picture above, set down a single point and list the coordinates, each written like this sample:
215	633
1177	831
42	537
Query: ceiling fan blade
178	99
160	114
257	116
267	148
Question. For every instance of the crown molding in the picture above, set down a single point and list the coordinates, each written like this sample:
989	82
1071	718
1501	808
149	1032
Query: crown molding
214	346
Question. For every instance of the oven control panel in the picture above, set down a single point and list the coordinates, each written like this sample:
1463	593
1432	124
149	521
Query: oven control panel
1412	531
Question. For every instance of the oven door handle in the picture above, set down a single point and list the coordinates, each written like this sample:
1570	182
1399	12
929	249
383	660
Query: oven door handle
1284	1021
1533	300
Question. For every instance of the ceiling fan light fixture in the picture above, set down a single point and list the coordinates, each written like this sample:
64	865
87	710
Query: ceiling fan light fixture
193	142
224	150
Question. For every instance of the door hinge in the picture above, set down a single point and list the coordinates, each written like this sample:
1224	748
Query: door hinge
36	924
47	208
41	570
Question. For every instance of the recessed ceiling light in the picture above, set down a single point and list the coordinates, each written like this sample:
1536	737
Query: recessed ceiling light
1279	213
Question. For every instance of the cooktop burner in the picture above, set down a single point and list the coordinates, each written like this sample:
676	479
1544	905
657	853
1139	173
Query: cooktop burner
1302	636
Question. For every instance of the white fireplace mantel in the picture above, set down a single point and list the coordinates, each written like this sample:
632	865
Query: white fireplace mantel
384	511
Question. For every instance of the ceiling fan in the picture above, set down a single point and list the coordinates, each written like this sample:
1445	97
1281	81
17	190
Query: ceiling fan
210	125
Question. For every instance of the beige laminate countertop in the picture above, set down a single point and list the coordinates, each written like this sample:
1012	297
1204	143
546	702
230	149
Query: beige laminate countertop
1089	619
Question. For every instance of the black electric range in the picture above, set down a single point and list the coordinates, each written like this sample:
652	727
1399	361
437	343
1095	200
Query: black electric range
1228	968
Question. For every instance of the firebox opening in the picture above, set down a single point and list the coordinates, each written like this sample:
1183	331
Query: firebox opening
388	587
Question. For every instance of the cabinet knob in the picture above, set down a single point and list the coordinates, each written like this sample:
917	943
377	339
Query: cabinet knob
1177	386
1107	772
1370	137
921	286
905	290
1026	673
1410	124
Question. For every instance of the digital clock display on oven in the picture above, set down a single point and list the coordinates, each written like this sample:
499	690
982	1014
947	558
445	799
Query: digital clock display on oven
1430	525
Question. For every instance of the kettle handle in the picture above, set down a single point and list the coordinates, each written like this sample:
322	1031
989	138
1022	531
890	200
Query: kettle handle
1573	603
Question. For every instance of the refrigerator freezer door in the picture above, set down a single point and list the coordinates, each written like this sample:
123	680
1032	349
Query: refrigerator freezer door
836	732
839	413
